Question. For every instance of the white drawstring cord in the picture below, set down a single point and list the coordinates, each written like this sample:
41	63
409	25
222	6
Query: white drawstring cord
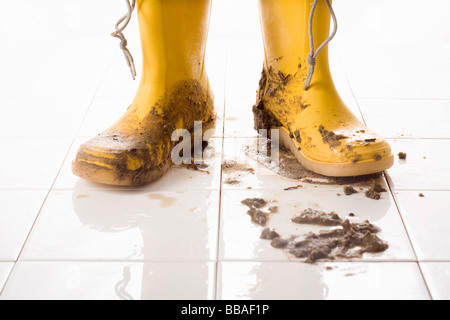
312	57
123	41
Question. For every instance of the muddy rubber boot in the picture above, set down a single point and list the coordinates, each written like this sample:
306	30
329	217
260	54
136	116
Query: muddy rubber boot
314	122
174	93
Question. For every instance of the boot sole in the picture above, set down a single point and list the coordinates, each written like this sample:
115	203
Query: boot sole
334	169
108	175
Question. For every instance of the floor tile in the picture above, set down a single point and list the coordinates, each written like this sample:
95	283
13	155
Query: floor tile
110	281
5	269
334	281
18	211
179	177
240	237
239	121
42	116
31	163
407	118
427	220
437	276
425	168
126	225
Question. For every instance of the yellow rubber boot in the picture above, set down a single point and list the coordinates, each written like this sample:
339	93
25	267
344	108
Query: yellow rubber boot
174	92
314	123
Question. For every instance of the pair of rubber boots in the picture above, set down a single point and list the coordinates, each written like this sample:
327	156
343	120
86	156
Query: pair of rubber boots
174	94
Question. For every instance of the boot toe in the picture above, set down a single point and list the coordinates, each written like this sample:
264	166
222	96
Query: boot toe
117	159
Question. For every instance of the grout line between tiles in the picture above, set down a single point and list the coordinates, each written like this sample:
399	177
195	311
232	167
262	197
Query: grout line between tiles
216	269
219	261
394	195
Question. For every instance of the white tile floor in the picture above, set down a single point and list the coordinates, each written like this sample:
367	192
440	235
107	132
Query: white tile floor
187	236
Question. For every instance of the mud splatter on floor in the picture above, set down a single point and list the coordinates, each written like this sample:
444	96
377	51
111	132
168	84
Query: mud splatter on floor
375	191
349	190
255	206
349	242
201	167
289	167
345	241
294	188
402	156
269	234
164	202
234	171
316	217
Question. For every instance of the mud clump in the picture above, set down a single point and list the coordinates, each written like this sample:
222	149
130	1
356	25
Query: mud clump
269	234
352	241
348	241
258	216
293	188
330	137
279	243
349	190
316	217
345	240
375	192
371	194
402	156
254	203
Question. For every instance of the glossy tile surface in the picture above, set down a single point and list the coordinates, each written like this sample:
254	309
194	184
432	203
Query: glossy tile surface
425	168
31	163
122	225
240	237
437	275
18	211
5	269
427	220
296	281
110	281
64	80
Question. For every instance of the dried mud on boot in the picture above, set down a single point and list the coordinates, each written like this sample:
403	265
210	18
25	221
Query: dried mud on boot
330	137
148	141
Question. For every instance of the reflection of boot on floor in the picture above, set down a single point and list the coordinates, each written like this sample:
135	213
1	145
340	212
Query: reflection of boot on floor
315	123
174	92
